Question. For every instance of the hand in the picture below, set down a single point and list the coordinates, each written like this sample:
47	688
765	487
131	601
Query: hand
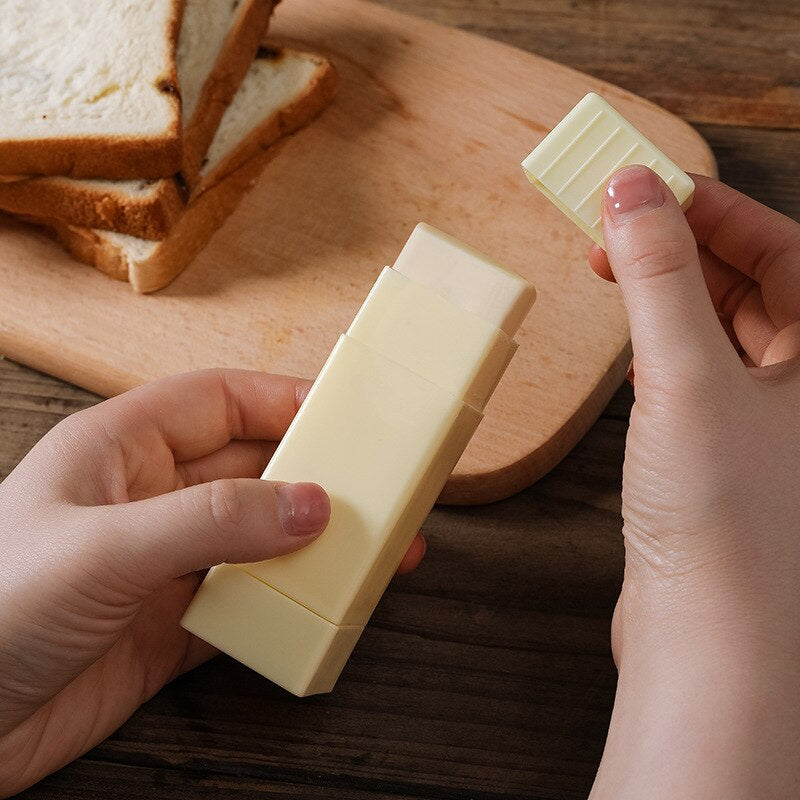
106	523
706	633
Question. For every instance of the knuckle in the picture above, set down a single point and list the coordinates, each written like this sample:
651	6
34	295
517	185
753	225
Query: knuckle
651	259
691	385
226	504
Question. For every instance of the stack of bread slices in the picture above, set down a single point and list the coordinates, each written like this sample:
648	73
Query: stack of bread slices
132	128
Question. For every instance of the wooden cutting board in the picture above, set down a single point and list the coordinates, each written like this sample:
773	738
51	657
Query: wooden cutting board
429	124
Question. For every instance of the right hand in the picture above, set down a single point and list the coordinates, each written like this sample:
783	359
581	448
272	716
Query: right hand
706	633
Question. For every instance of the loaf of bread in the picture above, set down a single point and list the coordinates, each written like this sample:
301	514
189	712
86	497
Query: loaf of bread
282	92
89	89
217	43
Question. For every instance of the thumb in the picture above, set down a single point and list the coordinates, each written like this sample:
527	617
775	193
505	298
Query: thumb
235	520
653	255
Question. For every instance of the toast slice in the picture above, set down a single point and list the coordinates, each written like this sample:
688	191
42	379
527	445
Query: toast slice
282	92
89	89
215	51
217	43
147	208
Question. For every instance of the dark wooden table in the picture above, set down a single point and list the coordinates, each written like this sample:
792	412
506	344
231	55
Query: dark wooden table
486	674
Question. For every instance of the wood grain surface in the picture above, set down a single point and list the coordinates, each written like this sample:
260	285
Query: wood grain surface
429	124
487	674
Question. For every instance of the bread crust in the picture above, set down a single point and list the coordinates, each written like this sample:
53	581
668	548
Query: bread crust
113	157
85	245
148	217
236	55
290	118
208	208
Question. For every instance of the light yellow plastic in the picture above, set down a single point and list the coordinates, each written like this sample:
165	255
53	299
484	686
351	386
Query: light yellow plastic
268	632
382	441
573	163
455	349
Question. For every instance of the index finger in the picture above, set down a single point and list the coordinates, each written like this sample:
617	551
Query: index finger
757	241
196	413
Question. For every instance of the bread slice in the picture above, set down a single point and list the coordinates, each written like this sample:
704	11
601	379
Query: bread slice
88	89
217	43
148	208
282	92
215	51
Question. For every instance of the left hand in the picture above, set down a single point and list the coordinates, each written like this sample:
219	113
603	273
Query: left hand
106	523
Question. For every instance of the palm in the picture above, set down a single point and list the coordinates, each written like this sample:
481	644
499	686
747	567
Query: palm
113	636
149	651
141	647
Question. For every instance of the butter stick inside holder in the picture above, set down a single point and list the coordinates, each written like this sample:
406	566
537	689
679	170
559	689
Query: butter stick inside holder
381	430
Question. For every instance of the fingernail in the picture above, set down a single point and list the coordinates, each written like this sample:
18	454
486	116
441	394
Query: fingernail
304	508
632	192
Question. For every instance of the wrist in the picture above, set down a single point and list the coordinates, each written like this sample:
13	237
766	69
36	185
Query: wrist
712	606
701	724
707	705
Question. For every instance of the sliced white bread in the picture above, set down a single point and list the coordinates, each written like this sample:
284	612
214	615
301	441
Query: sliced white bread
147	208
282	92
89	89
217	43
214	54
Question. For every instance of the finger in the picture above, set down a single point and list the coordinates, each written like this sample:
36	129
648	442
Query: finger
230	520
723	221
237	459
197	413
198	652
654	258
731	291
414	555
753	327
785	346
738	298
598	261
727	326
757	241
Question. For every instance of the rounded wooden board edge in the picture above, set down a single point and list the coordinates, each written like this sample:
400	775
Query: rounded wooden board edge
38	357
492	487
